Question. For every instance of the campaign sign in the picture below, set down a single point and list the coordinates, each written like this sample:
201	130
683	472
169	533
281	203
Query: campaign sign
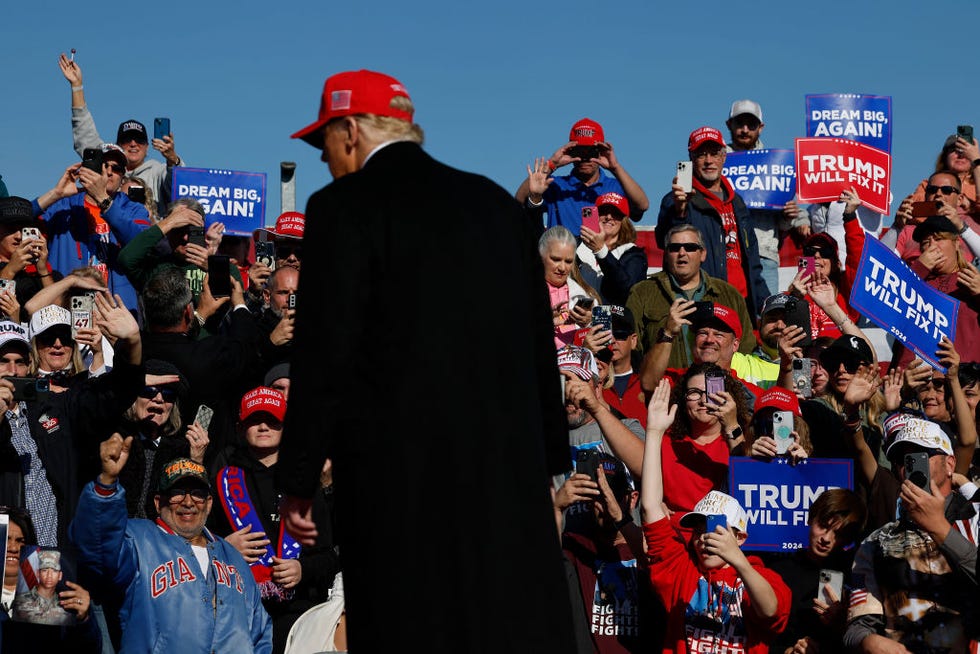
825	167
777	496
893	297
766	179
234	198
863	118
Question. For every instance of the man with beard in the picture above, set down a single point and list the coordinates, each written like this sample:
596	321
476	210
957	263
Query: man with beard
276	320
165	568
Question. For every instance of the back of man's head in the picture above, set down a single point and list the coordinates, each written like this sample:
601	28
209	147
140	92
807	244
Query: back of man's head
165	298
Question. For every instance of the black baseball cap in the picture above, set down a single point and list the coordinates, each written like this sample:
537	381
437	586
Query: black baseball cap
131	129
932	225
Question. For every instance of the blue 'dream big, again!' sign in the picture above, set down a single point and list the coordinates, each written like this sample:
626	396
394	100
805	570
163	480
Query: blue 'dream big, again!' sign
234	198
892	296
863	118
766	179
777	497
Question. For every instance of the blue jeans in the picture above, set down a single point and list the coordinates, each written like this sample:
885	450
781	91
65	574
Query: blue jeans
770	275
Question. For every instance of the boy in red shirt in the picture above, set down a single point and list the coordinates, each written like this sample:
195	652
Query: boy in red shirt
717	599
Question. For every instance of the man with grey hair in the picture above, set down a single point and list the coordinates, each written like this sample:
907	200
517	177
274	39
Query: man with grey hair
682	277
372	336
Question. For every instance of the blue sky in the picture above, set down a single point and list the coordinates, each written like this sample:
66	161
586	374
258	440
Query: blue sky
494	84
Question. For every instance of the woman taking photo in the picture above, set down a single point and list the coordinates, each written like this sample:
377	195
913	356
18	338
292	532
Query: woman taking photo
610	259
571	298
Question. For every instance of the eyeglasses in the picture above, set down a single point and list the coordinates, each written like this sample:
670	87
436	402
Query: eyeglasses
284	251
704	154
177	495
150	392
945	188
816	251
694	394
674	248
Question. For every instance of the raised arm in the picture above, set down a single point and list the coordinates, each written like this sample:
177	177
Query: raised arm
655	360
660	416
966	426
639	202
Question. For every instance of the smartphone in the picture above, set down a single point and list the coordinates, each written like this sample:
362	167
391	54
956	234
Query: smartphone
8	285
92	159
807	265
965	132
602	317
29	234
195	234
803	377
833	578
713	521
203	416
797	314
81	313
925	208
584	301
782	428
714	382
27	389
161	127
917	470
590	219
137	194
703	311
585	152
684	176
265	253
219	275
587	462
291	301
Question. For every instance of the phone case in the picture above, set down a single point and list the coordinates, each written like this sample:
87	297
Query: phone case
195	235
161	127
265	253
601	316
590	219
782	427
713	521
803	377
685	174
8	285
29	233
836	580
203	417
917	470
587	462
713	384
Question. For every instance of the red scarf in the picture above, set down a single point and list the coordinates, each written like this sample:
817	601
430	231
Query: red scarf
733	252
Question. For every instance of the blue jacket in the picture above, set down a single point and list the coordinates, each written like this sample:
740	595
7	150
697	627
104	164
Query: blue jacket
169	606
72	245
703	216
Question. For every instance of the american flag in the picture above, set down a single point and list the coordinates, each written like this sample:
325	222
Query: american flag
28	564
858	596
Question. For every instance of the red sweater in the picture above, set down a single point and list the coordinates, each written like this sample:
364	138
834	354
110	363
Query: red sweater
709	612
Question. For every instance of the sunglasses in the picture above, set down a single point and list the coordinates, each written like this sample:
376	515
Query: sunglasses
816	251
177	495
116	168
48	337
674	248
150	392
284	251
946	189
621	334
938	383
850	365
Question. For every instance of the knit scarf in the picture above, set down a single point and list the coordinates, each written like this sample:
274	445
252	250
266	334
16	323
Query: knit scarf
726	212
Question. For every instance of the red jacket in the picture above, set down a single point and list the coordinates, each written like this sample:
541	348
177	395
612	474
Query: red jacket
712	612
633	403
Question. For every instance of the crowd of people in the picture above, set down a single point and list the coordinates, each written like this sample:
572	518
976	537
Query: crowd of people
160	497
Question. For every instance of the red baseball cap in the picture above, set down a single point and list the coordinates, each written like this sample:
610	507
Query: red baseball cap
780	399
727	317
290	224
263	399
587	132
615	200
355	92
703	135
